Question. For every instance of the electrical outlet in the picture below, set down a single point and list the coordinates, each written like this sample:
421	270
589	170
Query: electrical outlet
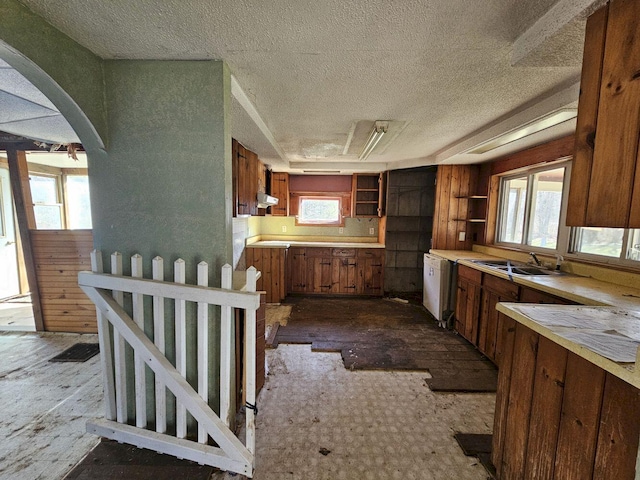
372	231
284	229
462	236
340	229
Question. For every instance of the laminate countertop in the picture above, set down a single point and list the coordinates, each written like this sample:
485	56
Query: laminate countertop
298	243
605	330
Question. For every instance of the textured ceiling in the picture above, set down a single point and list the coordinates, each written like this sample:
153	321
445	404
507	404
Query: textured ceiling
311	70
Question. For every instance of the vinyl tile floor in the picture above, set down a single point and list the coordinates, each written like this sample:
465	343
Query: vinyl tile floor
317	420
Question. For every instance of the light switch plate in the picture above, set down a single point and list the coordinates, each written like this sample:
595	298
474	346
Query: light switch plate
462	236
372	231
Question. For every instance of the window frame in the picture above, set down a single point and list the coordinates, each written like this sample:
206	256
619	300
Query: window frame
60	203
564	232
303	223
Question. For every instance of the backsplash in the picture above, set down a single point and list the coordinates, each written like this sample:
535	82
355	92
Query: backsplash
286	227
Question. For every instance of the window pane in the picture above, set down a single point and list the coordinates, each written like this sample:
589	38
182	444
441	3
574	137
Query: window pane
599	241
319	210
43	189
48	217
512	221
634	245
79	205
546	203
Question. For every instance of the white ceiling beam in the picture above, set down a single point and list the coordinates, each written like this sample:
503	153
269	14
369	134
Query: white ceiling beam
369	167
562	99
550	24
247	105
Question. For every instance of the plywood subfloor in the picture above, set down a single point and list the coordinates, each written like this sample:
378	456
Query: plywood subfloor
378	334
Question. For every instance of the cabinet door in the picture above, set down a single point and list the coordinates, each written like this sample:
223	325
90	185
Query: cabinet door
468	309
319	275
298	270
280	190
494	290
344	275
371	272
530	295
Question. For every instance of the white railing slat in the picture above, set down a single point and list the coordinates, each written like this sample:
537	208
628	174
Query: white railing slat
190	293
181	346
203	346
226	340
106	353
158	339
250	365
119	355
140	374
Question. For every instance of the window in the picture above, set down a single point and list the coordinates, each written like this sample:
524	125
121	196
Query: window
320	211
47	207
531	208
78	202
609	245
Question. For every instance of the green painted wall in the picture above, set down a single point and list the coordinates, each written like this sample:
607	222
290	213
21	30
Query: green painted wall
70	75
165	188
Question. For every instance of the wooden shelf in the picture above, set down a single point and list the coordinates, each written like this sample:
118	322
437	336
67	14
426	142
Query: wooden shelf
375	202
470	220
474	197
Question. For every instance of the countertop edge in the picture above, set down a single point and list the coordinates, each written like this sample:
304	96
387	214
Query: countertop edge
626	372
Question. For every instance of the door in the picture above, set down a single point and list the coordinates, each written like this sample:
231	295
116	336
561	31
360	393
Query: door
9	280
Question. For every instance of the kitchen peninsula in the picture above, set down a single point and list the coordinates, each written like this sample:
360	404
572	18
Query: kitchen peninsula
568	394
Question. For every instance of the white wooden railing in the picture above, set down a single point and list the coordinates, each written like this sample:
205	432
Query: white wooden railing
176	435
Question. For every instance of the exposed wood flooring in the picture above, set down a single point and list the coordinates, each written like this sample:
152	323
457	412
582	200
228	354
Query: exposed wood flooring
387	335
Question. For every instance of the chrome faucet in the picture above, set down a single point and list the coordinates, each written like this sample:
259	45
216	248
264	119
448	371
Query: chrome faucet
535	259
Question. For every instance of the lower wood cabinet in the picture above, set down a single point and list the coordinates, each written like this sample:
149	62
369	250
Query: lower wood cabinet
336	271
271	262
476	317
560	416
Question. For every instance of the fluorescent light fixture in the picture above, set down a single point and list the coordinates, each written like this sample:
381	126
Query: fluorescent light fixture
530	128
379	129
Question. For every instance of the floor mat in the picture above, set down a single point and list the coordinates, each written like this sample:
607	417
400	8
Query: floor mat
80	352
382	334
477	445
110	460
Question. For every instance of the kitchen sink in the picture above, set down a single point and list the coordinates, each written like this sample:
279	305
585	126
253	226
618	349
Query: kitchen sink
517	268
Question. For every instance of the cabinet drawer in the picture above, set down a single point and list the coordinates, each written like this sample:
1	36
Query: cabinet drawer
504	288
370	252
529	295
297	251
470	274
318	252
344	252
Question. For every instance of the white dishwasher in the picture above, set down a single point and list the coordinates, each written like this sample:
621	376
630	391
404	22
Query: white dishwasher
435	293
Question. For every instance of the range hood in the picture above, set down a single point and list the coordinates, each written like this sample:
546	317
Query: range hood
265	200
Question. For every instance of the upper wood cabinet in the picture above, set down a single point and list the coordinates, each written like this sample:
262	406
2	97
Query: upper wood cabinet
368	195
249	177
280	190
605	179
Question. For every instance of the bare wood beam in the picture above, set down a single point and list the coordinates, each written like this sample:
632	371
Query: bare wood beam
19	177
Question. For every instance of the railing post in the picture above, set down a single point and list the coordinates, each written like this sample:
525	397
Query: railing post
226	339
250	365
181	346
203	345
106	351
140	374
119	349
158	339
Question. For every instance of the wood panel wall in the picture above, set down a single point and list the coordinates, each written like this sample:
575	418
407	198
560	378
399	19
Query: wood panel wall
452	211
558	416
59	256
